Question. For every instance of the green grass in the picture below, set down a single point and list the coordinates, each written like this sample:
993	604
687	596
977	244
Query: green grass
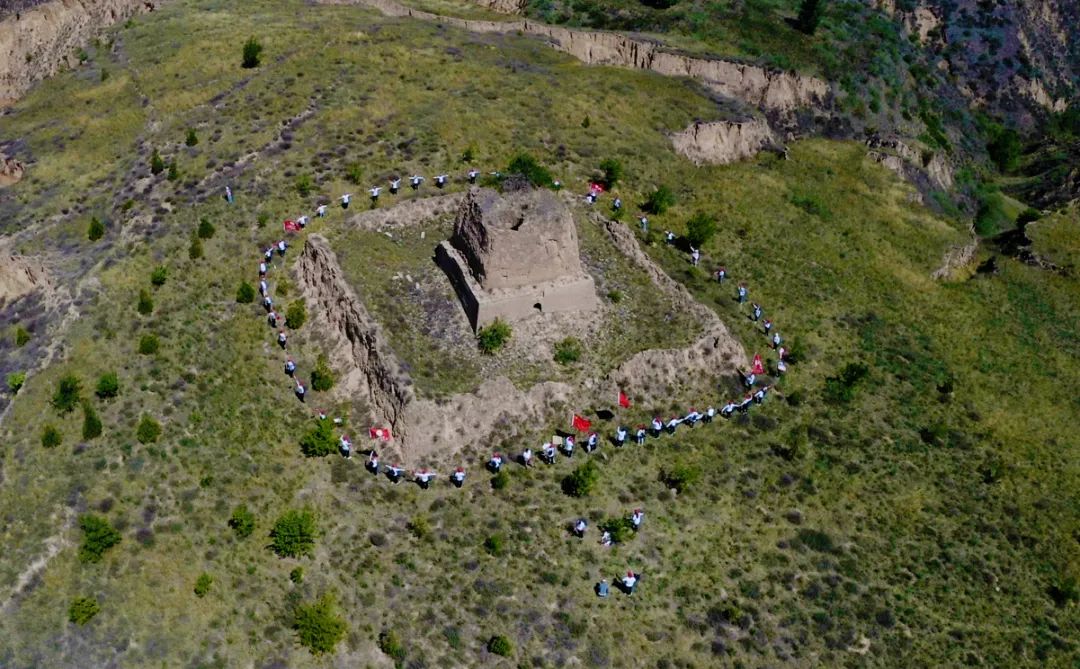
936	512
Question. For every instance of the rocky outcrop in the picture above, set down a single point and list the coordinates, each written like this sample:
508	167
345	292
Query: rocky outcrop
503	6
922	169
771	90
723	142
35	43
957	257
19	276
11	170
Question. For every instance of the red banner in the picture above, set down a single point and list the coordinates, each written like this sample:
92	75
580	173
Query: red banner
291	226
581	424
382	433
624	401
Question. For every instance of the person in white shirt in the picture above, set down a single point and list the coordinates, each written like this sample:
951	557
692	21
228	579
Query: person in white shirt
440	180
749	378
693	417
592	442
262	269
605	539
549	453
282	338
415	181
290	366
394	473
395	185
373	462
320	211
345	200
728	409
759	396
617	204
781	367
710	413
281	246
375	193
776	340
639	436
636	518
526	457
568	447
579	527
263	289
695	256
644	221
743	292
657	426
673	423
271	318
269	253
458	477
268	304
746	402
302	221
495	463
424	477
301	391
629	582
346	446
620	436
473	173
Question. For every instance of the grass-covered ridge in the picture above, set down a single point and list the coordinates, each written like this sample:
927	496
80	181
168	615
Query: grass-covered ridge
934	515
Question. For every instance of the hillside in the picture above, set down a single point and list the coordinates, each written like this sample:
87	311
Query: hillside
907	494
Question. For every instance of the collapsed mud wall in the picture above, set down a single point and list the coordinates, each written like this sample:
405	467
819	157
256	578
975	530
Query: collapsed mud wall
723	142
771	90
36	43
927	172
384	382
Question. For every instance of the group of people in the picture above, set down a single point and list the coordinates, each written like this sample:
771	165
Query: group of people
548	452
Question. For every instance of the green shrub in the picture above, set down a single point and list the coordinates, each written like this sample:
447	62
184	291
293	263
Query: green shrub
304	185
173	173
242	522
392	646
991	217
420	527
22	336
252	53
149	344
568	350
500	645
206	229
195	250
528	167
148	430
840	389
202	584
586	122
322	377
659	201
319	626
51	437
96	230
68	394
469	154
813	204
108	386
495	545
104	75
294	534
615	296
816	540
91	427
500	480
245	294
297	575
320	441
157	164
1028	215
810	12
611	172
1004	149
493	336
295	315
354	174
82	609
681	477
146	303
159	275
15	381
98	537
700	229
621	529
582	480
192	139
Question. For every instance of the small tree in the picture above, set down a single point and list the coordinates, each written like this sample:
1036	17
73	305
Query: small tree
500	645
245	294
173	173
469	154
68	394
242	522
620	529
22	336
159	276
202	585
157	164
528	167
146	303
108	386
294	534
493	336
51	437
15	381
148	430
568	350
322	377
1004	149
319	441
304	185
82	609
206	229
252	53
582	480
612	172
659	201
91	427
192	138
681	477
295	315
354	173
390	644
319	625
149	344
700	229
195	250
98	537
810	12
297	575
96	230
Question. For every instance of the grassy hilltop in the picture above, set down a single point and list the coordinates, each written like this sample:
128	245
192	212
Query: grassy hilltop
910	495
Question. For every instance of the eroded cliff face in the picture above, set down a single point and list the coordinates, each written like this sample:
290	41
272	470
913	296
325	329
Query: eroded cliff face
925	171
37	42
723	142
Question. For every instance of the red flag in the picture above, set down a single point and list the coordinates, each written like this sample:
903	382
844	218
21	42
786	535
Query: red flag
596	188
624	401
382	433
291	226
581	424
758	367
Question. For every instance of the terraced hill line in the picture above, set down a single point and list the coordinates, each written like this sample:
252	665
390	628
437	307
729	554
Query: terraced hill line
773	91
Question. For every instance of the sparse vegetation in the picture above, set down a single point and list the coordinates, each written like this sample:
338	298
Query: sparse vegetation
493	337
195	249
355	174
15	381
157	163
810	12
149	344
146	303
192	138
148	430
206	229
202	584
91	428
304	185
51	436
83	609
391	645
22	336
242	522
159	276
568	350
